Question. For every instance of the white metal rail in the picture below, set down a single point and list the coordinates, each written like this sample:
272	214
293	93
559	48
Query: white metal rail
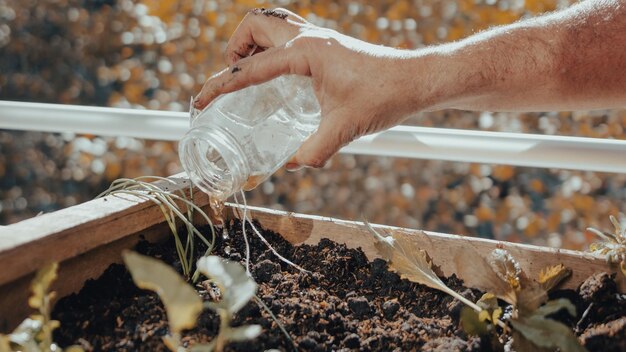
532	150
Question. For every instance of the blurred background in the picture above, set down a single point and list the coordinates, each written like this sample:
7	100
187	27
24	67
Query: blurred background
155	54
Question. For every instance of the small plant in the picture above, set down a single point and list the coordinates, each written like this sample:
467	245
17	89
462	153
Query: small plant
34	334
236	289
613	246
531	329
169	205
412	263
501	276
183	305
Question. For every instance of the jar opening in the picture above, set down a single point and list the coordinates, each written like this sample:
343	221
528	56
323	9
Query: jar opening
213	161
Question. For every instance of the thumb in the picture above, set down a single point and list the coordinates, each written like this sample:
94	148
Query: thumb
322	144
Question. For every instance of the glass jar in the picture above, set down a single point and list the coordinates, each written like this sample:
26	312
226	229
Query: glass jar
242	138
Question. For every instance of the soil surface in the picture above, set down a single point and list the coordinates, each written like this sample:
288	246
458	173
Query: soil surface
345	303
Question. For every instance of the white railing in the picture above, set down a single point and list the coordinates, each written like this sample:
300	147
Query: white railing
517	149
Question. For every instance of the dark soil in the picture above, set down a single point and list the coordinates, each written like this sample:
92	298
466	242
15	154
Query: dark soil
345	303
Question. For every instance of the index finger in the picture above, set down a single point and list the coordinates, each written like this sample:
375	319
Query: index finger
261	29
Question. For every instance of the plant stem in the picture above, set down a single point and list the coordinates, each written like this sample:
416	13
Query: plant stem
220	340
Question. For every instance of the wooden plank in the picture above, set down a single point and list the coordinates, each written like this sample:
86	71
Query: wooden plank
88	237
68	233
442	248
73	273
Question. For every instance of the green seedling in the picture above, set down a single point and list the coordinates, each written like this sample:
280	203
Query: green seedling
34	334
533	331
183	305
613	246
236	289
501	276
174	206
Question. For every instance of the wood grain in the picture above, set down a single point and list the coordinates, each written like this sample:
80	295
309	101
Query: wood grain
447	251
67	233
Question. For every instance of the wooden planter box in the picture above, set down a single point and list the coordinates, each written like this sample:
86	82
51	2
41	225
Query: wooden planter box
85	239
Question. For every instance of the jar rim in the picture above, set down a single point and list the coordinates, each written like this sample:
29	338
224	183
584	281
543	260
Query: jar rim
213	160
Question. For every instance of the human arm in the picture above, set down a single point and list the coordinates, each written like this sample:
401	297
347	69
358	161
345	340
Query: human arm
574	59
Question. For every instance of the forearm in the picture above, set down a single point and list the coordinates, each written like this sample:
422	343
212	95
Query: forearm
575	59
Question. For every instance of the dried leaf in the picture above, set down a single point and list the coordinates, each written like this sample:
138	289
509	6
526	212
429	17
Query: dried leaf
407	259
411	262
237	287
476	272
619	231
181	301
530	298
506	267
41	284
551	276
546	333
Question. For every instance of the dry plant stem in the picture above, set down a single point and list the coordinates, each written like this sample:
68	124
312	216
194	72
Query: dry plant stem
280	325
256	231
44	310
167	203
244	216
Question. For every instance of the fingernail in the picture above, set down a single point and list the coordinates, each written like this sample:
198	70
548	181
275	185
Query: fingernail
293	167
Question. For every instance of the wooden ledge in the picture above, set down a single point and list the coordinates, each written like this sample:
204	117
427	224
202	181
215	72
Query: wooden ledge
441	248
85	239
28	245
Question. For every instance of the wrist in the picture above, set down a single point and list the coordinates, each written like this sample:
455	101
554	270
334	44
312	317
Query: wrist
442	78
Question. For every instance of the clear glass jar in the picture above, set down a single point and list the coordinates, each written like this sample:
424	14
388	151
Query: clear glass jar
243	137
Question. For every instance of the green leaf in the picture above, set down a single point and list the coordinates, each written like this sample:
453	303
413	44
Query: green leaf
41	284
181	301
243	333
554	306
549	333
471	323
237	287
488	301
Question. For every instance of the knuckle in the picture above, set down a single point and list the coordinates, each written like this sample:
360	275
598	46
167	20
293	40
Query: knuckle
316	162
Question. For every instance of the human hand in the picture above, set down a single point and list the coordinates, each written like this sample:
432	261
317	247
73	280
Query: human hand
362	88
